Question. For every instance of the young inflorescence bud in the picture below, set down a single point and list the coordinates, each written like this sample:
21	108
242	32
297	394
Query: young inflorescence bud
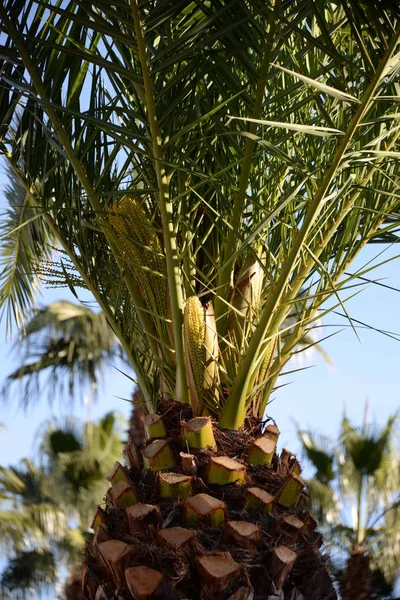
132	232
194	330
269	355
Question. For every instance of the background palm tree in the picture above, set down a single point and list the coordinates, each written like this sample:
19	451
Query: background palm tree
206	169
45	508
355	493
63	348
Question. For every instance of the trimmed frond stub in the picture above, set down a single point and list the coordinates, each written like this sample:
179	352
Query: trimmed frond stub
223	470
281	563
290	528
272	431
100	536
154	426
259	499
122	495
243	534
289	493
217	571
145	583
115	557
175	485
99	519
189	463
132	454
262	451
177	537
198	433
205	508
143	517
118	474
158	456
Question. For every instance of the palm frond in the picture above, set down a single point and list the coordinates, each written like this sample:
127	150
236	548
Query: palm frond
79	458
26	242
358	508
386	550
241	131
46	508
30	511
319	451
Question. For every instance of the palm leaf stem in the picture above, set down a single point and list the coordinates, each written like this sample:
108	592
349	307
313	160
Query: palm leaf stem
92	288
384	512
187	258
323	296
165	206
240	195
294	338
80	172
285	354
232	416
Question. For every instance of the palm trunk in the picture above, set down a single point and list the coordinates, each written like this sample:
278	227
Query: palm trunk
203	513
356	583
73	588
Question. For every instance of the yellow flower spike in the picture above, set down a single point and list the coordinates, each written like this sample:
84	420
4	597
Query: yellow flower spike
194	334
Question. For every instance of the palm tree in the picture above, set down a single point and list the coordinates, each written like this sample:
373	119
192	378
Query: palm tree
45	508
355	493
205	169
62	343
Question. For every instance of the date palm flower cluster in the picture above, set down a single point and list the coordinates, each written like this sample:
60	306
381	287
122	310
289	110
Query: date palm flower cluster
208	170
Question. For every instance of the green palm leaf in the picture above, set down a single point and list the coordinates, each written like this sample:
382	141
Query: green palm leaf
45	508
29	570
195	122
26	241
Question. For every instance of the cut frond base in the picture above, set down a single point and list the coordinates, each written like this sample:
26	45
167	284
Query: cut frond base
215	542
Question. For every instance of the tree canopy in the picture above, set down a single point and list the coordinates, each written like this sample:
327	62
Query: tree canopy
242	153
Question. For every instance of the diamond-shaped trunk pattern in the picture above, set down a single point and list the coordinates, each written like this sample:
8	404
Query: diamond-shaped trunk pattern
242	532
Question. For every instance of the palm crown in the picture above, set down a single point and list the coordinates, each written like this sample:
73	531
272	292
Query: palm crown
70	344
205	170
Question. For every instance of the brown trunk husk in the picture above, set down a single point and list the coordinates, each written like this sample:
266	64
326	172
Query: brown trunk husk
356	583
184	572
